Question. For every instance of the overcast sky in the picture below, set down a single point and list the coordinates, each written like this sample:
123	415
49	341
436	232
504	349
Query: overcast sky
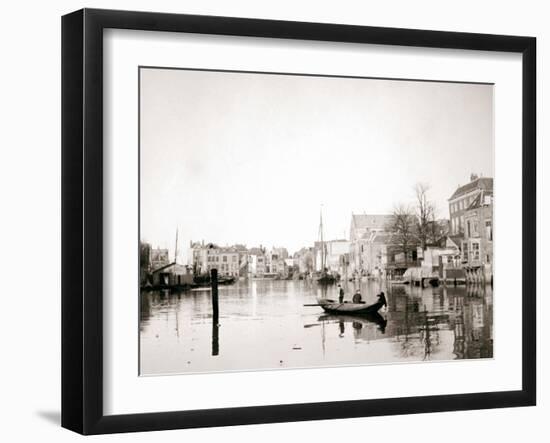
250	158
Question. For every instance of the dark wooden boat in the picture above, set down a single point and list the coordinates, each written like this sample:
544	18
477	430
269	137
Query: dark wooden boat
334	307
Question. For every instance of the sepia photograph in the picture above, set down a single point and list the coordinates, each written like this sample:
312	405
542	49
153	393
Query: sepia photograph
295	221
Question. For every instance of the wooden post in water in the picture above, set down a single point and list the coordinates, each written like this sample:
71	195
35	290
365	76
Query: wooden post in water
215	312
214	283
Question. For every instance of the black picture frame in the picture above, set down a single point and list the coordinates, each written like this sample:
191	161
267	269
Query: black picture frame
82	218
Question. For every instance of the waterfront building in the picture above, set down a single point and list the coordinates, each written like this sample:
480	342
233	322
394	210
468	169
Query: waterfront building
224	259
389	259
227	259
144	261
243	259
463	197
272	262
197	257
172	274
256	262
282	253
377	253
362	229
338	256
477	243
443	261
304	260
159	258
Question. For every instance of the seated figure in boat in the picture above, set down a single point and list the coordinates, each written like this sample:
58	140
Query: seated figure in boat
357	297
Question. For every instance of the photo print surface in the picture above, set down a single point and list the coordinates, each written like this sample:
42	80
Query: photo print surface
306	221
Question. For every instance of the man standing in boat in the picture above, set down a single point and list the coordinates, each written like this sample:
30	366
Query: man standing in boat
382	299
340	294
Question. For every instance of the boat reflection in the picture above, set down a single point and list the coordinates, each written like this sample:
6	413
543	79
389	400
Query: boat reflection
366	327
357	321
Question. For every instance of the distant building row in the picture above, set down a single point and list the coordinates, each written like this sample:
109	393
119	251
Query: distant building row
238	261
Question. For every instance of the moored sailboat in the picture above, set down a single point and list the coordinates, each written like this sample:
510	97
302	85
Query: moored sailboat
324	276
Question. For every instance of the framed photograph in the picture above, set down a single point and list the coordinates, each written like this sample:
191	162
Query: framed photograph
269	221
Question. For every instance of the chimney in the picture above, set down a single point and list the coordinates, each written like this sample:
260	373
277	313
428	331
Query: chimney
473	176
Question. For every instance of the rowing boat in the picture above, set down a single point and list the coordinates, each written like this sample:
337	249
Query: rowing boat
333	307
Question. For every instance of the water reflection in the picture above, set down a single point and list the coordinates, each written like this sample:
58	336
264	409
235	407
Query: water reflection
264	325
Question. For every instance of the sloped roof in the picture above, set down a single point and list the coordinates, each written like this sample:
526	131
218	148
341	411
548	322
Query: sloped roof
371	221
485	183
162	268
256	251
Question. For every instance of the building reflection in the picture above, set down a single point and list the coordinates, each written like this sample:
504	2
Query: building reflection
423	324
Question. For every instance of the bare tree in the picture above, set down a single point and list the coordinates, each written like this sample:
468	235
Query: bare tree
439	229
402	225
425	214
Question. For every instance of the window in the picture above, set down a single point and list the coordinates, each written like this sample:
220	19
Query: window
476	228
475	250
465	251
489	230
224	258
234	258
468	225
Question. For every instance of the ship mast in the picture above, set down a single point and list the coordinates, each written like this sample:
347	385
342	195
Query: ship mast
322	242
176	249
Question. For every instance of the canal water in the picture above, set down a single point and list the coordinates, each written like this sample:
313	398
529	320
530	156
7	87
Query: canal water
264	324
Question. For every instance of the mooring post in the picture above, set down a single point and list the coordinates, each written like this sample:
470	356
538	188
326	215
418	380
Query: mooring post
215	312
214	282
